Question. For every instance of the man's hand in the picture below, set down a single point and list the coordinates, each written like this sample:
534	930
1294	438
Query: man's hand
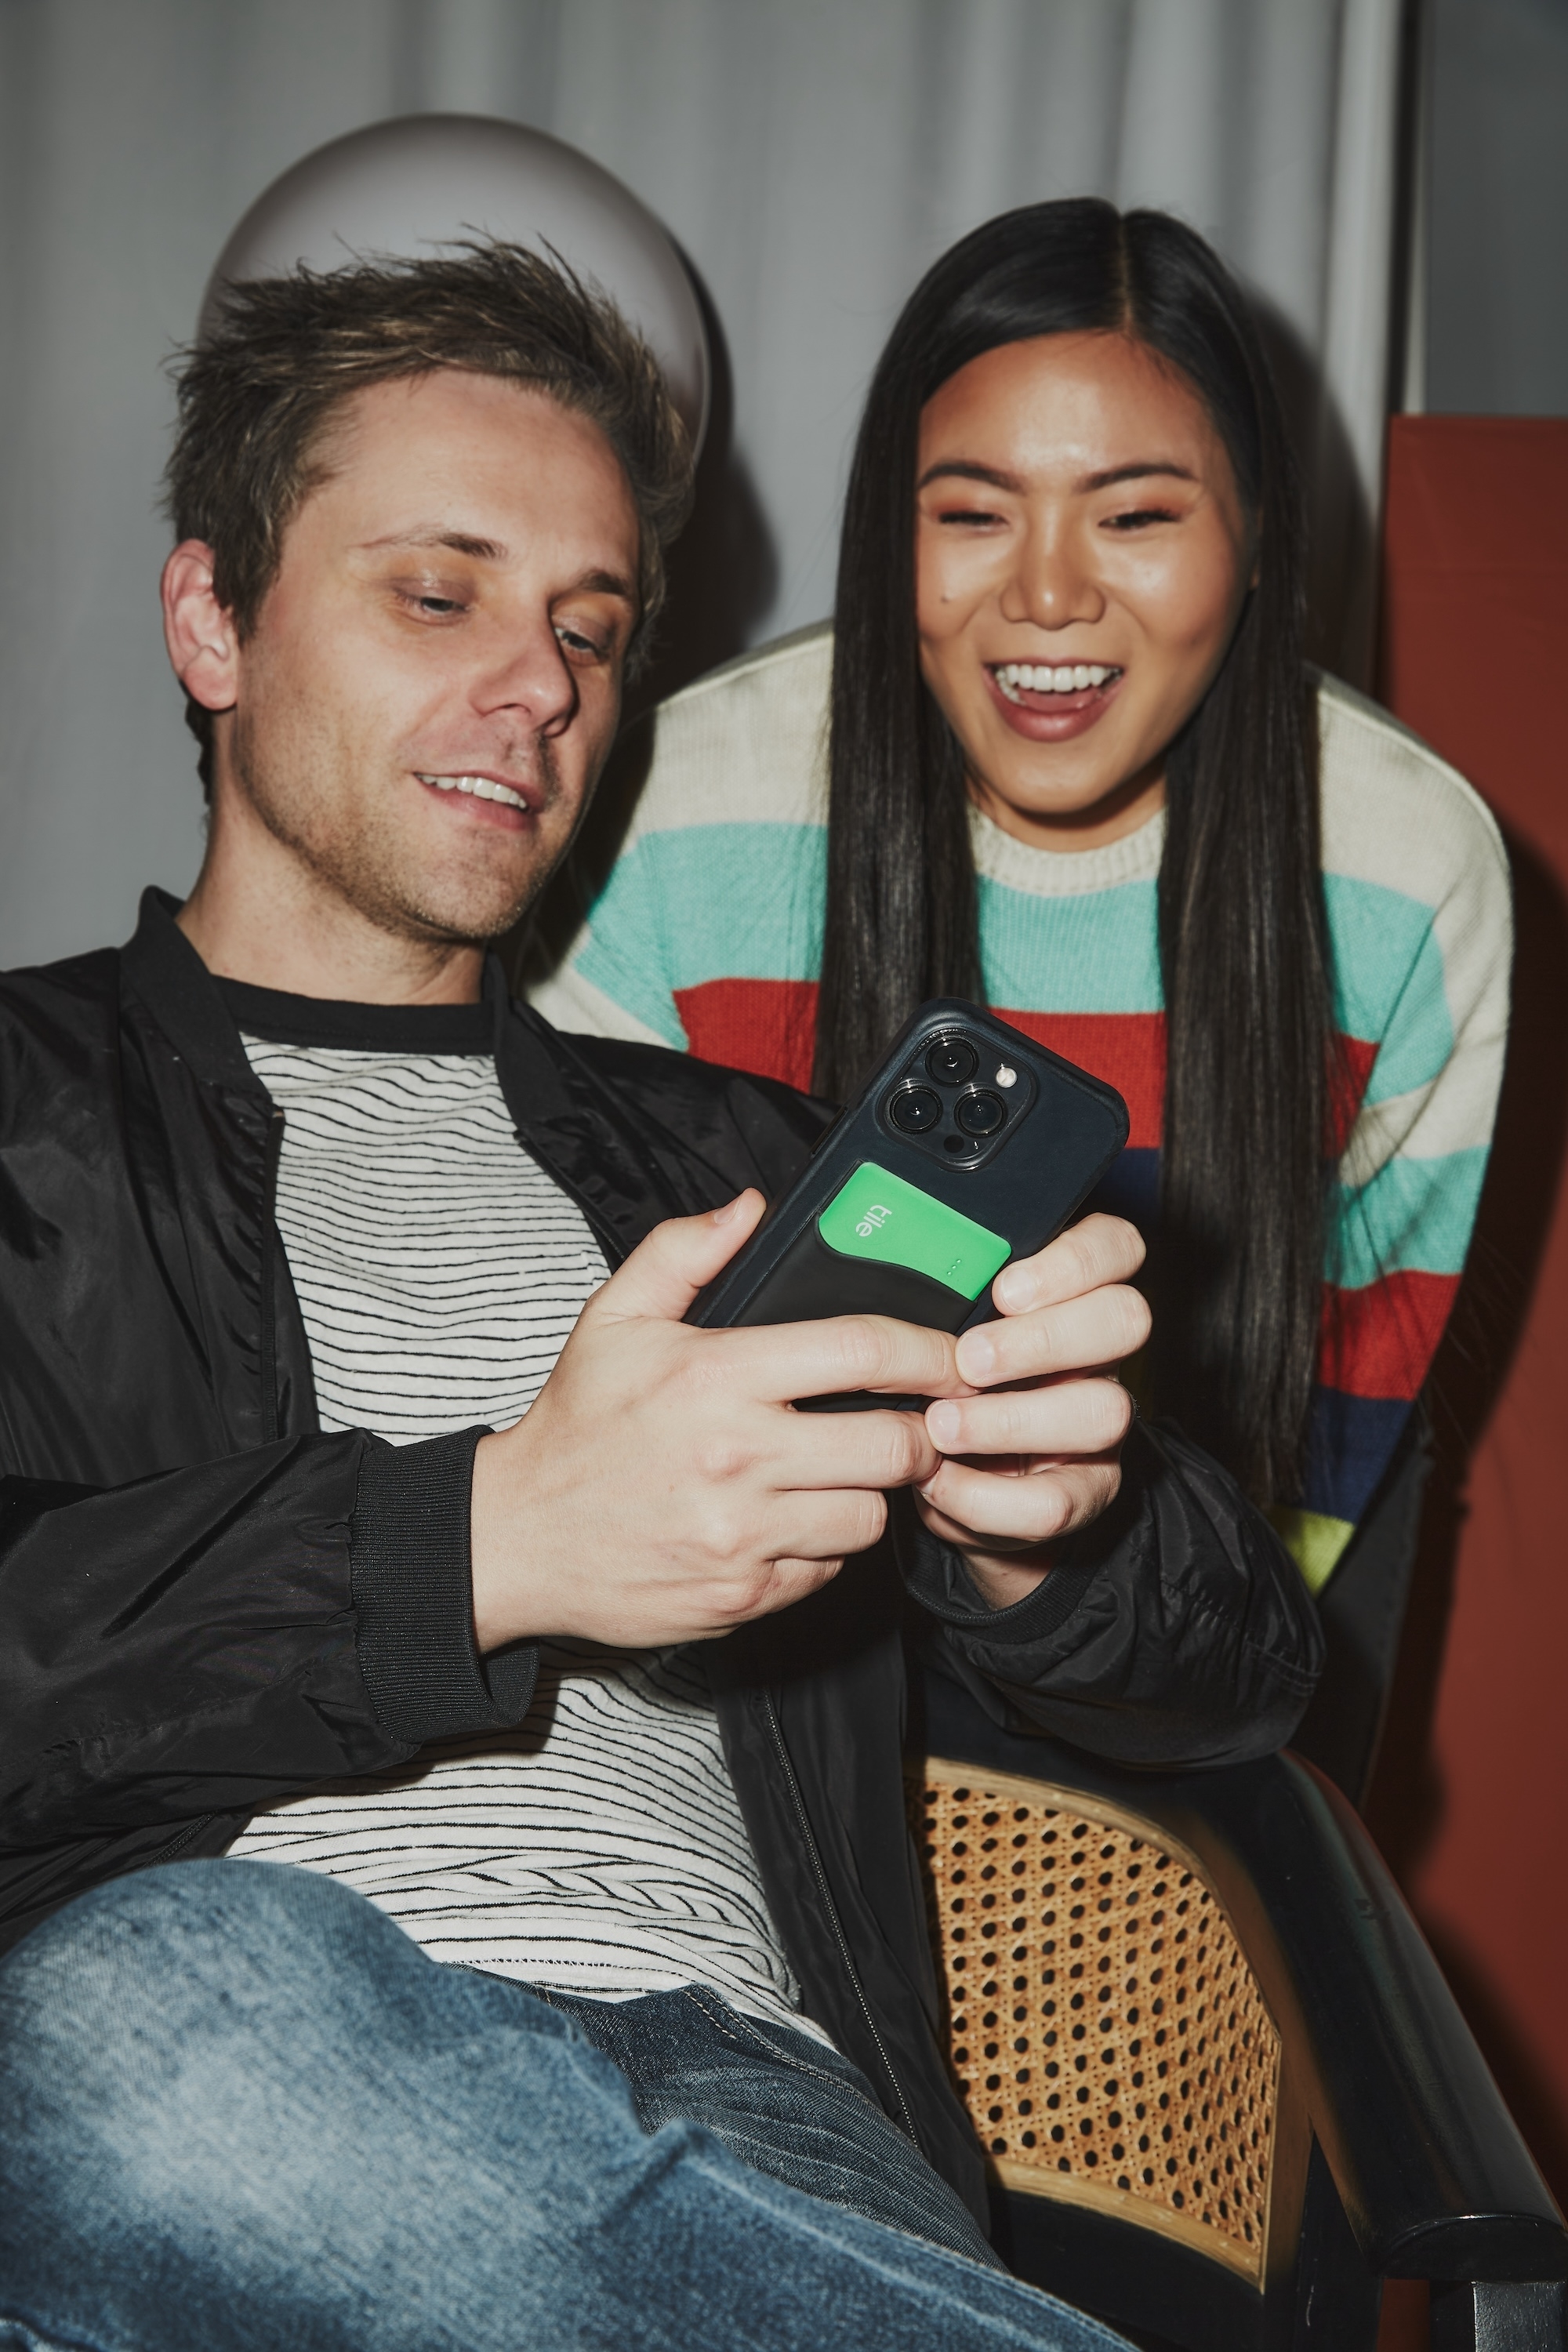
1035	1454
660	1489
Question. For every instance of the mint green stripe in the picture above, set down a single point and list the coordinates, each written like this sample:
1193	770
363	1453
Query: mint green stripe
745	901
1389	982
729	901
711	902
1097	953
624	954
1413	1216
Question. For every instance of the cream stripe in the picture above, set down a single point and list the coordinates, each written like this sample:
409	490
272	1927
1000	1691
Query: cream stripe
569	1001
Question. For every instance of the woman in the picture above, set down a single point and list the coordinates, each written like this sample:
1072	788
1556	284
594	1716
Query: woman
1077	765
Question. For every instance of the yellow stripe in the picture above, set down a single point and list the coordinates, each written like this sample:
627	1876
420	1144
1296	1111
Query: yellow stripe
1314	1542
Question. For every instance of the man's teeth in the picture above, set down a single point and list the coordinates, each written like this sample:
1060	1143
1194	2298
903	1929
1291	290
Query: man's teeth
480	787
1041	678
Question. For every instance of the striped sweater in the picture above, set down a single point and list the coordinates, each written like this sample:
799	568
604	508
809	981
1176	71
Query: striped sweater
708	935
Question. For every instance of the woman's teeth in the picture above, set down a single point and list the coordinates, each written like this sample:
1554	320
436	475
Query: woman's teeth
480	787
1040	677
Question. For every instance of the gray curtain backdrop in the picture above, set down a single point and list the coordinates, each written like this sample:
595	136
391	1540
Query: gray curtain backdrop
812	156
1497	317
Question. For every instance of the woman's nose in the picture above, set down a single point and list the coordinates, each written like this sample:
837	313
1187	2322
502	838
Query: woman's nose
1051	583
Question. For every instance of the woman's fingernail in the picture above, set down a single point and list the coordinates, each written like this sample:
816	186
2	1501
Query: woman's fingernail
943	1422
976	1358
723	1216
1013	1287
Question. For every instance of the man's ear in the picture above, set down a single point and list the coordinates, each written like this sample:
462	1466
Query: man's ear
202	642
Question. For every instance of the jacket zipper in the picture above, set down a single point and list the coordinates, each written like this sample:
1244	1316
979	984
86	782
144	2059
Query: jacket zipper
809	1838
191	1830
615	1255
269	1246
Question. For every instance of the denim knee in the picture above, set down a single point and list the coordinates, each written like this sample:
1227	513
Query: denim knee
207	2071
108	1989
239	2107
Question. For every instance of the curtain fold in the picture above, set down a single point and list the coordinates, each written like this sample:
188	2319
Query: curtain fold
812	156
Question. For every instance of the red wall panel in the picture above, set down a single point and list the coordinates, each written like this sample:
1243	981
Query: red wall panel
1471	1799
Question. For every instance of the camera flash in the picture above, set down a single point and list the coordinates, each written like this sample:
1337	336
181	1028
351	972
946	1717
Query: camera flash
1006	1078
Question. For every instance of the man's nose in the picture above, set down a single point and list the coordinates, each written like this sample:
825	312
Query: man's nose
529	676
1053	583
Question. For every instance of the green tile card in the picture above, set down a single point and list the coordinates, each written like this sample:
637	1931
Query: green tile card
878	1215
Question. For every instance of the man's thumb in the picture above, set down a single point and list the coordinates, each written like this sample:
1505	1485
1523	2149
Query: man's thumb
665	1273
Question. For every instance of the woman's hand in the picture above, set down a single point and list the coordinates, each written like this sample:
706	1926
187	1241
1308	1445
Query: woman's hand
1032	1453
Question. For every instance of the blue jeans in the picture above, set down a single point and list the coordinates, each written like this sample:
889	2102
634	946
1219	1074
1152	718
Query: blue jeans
240	2109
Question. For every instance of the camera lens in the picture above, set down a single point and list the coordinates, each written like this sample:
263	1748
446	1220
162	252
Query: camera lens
916	1110
950	1061
980	1113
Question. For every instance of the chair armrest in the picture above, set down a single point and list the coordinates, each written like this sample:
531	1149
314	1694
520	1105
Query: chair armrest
1433	2174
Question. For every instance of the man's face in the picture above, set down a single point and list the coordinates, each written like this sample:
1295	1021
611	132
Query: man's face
433	679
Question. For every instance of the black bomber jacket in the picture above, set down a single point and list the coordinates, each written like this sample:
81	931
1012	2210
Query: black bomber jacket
206	1605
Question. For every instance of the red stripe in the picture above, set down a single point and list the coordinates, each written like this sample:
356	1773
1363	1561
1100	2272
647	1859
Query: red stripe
765	1025
1350	1066
770	1026
1379	1342
1126	1049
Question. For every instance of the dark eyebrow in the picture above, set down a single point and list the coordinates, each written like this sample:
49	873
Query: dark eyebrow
1138	471
484	550
490	551
963	471
608	584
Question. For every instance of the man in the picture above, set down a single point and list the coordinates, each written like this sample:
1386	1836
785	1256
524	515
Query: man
592	1679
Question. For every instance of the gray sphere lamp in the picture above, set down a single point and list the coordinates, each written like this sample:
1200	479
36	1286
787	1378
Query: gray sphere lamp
423	182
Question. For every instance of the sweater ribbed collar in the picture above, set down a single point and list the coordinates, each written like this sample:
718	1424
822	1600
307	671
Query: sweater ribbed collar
1066	874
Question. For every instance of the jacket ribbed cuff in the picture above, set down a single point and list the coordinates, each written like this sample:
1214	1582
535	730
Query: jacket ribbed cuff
938	1578
413	1593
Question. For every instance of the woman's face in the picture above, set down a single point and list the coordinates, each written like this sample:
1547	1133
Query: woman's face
1081	558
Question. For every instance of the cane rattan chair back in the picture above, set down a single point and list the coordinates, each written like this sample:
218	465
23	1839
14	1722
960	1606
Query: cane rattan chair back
1222	2089
1104	2029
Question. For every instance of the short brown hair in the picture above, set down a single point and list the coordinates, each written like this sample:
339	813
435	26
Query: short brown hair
258	393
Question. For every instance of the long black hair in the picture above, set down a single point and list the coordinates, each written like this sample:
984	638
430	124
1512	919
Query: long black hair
1237	1267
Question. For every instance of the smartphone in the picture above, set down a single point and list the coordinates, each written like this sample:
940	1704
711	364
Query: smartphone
972	1145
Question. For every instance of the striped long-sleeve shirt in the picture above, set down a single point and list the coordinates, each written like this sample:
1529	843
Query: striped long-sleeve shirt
708	935
597	1846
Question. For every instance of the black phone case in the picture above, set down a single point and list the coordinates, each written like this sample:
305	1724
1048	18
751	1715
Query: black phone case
1061	1131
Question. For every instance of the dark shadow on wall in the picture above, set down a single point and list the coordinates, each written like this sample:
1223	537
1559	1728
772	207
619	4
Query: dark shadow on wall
723	570
1476	1353
1521	2077
1342	565
723	575
1405	1809
1342	529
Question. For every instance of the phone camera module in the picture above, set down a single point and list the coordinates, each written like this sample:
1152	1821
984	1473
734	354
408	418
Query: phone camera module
950	1061
916	1110
979	1113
